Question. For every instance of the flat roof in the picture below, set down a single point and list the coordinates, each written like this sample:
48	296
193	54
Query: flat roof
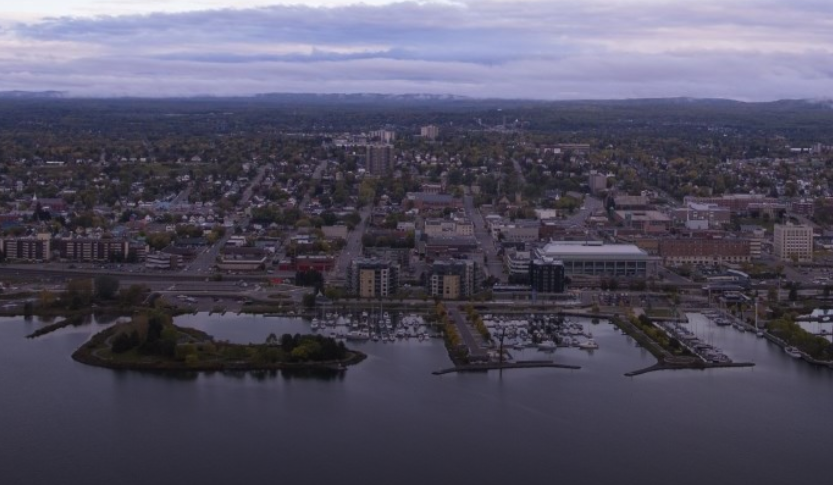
559	250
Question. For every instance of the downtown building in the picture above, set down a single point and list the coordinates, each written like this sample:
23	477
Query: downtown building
372	278
704	251
599	259
793	242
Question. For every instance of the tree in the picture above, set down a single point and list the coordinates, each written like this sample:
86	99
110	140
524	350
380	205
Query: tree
106	287
272	339
311	278
79	294
793	295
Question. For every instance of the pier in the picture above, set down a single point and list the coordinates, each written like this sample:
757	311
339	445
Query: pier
474	343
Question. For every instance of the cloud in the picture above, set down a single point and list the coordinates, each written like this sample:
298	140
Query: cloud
743	49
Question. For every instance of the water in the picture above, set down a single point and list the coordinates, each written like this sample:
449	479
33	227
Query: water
388	420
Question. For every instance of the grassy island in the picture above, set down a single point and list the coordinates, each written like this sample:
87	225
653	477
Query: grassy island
150	341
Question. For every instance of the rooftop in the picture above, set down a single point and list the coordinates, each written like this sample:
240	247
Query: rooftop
561	249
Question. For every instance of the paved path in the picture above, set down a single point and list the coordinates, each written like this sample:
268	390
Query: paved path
476	351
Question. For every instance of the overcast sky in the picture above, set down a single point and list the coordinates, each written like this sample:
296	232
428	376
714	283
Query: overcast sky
545	49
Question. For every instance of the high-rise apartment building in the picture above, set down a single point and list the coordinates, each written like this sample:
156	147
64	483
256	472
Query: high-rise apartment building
430	132
372	278
453	279
546	275
379	159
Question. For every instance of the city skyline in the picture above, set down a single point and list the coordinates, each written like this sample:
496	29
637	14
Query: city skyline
750	50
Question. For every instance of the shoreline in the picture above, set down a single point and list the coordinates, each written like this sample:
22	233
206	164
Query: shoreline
510	365
89	358
87	354
661	366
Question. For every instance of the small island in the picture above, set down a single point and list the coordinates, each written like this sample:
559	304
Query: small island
151	342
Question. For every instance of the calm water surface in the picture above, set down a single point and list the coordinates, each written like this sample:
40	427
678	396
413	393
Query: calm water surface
388	420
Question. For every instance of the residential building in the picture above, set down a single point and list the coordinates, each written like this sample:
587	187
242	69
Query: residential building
597	182
517	263
453	279
546	275
430	132
26	248
372	278
793	242
379	160
385	136
91	249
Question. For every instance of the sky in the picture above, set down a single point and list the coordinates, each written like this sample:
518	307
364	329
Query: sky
751	50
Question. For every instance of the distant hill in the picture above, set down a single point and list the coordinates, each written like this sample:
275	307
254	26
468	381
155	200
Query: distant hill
32	94
362	98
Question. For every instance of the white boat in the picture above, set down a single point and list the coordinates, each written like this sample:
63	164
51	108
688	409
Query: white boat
793	352
588	344
546	345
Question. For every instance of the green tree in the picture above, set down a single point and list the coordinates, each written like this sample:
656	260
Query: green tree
78	294
106	287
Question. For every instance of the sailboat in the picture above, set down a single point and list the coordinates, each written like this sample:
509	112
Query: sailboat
758	332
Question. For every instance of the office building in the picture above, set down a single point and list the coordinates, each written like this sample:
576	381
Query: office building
793	242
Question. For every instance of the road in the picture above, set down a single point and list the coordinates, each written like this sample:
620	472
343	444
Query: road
591	205
520	171
206	259
316	175
249	191
494	264
352	249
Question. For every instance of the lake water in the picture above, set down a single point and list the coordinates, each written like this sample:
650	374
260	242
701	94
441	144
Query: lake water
389	421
